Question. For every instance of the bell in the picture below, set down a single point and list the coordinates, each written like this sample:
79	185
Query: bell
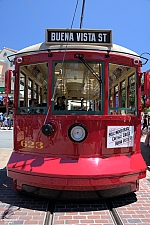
47	129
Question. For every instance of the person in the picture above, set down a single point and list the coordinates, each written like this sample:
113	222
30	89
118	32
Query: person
10	119
60	104
33	103
5	123
147	139
142	118
145	122
43	108
82	105
1	119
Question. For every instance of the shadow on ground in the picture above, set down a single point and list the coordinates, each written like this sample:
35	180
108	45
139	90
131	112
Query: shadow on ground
145	150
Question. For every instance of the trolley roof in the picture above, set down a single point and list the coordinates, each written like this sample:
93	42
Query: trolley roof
78	39
116	49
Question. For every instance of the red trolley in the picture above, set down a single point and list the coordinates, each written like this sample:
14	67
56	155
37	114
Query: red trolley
77	122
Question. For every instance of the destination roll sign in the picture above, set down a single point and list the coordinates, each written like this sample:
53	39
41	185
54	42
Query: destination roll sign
74	36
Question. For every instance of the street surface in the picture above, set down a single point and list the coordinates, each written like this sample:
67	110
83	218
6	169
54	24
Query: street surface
6	139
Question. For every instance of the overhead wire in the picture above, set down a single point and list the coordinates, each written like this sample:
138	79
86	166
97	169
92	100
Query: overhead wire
57	82
71	28
82	14
36	14
65	48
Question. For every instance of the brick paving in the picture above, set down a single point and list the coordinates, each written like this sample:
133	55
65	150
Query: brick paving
4	156
23	209
82	213
135	209
16	208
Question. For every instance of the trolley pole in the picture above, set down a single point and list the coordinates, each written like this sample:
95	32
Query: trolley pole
81	19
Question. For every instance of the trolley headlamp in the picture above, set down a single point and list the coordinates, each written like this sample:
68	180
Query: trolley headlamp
77	132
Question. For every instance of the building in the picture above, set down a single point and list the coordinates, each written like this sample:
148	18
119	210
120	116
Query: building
5	64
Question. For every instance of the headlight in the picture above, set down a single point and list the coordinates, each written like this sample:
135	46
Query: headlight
77	132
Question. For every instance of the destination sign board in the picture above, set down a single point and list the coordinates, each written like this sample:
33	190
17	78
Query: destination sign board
79	36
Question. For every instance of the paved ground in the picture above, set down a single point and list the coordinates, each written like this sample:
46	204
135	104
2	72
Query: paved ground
24	209
6	139
145	150
4	156
6	146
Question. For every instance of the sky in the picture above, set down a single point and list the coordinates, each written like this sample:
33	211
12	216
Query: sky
23	22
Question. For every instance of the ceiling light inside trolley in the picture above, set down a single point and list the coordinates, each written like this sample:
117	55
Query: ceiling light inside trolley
57	72
88	84
92	79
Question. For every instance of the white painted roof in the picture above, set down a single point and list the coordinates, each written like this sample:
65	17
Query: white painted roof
43	46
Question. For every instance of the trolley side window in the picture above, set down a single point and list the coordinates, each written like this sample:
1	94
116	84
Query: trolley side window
76	88
122	89
33	89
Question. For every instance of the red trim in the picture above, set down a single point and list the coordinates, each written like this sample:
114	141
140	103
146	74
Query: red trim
106	72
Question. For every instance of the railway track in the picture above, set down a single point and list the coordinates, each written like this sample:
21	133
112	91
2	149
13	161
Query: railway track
73	212
52	212
56	207
23	209
114	213
49	218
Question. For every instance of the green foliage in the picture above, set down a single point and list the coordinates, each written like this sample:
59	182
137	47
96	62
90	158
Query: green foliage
146	110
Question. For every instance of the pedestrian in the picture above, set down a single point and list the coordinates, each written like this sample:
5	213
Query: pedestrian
5	123
142	118
145	122
1	119
10	119
147	139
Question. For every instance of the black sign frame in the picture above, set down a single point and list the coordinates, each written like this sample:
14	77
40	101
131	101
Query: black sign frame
78	36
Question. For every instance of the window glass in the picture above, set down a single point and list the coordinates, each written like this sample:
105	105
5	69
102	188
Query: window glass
123	94
33	89
122	89
131	93
76	88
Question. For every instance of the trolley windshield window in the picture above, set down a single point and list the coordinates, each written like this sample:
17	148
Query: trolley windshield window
122	89
76	88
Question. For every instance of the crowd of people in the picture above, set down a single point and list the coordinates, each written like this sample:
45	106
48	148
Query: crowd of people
6	120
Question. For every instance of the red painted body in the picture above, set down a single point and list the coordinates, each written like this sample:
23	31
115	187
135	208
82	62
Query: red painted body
147	88
61	164
76	174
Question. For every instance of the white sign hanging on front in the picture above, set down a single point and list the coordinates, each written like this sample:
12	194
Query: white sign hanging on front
120	136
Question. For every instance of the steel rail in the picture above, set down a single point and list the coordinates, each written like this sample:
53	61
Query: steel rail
50	213
114	214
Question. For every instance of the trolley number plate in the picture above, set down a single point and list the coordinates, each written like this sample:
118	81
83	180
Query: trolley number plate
32	144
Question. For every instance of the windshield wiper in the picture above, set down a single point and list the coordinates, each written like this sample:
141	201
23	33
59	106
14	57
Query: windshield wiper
80	57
